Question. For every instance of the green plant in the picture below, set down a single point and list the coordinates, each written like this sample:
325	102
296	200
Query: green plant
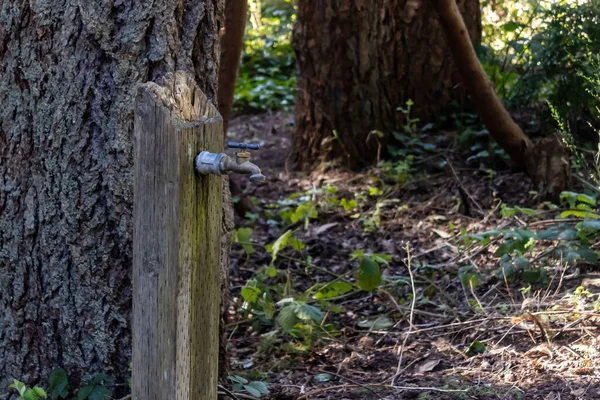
26	393
409	142
267	78
369	269
254	388
271	299
582	295
96	388
58	384
523	252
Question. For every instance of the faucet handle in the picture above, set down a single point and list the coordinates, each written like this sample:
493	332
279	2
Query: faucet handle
237	145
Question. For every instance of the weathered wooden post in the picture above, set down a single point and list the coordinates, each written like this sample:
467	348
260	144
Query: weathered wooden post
176	254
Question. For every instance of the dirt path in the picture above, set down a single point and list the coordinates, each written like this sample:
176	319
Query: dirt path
498	340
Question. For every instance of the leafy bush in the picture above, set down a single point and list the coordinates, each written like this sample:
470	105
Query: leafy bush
267	77
537	51
556	56
98	387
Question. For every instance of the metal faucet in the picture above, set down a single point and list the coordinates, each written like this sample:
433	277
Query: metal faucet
221	163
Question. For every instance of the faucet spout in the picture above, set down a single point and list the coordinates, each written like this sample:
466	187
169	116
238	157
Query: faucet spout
241	166
222	164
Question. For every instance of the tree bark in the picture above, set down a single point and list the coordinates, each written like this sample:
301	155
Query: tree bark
69	73
360	60
232	39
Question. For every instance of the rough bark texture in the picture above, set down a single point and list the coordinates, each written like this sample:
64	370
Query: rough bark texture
232	36
68	72
357	62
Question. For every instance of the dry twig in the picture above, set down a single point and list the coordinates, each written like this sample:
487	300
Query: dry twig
412	308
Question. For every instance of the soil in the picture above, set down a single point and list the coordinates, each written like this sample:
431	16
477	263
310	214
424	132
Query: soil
496	340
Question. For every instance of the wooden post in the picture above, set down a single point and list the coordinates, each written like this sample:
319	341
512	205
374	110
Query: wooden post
176	247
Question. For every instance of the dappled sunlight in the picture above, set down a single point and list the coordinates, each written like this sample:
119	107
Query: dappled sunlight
501	305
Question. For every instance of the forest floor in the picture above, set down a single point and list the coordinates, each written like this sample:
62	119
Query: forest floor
425	332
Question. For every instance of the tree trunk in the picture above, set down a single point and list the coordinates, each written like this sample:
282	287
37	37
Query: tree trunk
547	162
360	60
69	73
232	39
499	122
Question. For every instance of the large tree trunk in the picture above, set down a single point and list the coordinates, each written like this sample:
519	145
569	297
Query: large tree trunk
360	60
68	73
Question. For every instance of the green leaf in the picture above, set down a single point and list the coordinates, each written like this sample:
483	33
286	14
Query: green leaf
307	312
376	324
373	191
18	386
287	317
323	377
584	198
34	394
333	289
567	234
510	26
578	214
243	236
588	255
262	387
357	254
476	348
369	275
381	258
507	269
84	392
468	276
297	244
250	294
522	263
550	233
304	212
591	225
237	387
348	204
100	393
59	384
39	392
507	212
533	275
237	379
253	391
279	245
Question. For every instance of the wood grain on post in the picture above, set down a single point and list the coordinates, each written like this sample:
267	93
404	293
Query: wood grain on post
177	237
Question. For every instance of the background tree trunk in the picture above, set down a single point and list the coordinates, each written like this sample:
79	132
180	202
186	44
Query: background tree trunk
360	60
232	39
69	71
546	162
496	118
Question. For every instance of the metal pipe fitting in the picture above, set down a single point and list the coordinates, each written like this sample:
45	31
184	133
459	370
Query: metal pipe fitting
222	164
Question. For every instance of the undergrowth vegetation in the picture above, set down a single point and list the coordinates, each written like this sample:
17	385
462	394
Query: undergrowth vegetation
511	265
536	51
267	78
